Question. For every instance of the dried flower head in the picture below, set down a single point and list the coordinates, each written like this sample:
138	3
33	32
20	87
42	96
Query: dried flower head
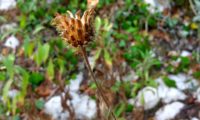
75	30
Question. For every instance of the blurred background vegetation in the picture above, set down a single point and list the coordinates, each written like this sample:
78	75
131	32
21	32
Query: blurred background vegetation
130	40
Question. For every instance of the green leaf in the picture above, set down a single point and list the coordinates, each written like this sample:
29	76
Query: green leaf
2	76
28	46
136	87
9	63
93	86
42	54
97	24
171	22
23	20
169	82
25	80
120	109
6	89
196	74
36	78
39	104
50	70
129	108
38	29
98	53
107	58
185	61
122	43
152	83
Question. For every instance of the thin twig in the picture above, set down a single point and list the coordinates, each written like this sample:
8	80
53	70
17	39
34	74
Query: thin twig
99	88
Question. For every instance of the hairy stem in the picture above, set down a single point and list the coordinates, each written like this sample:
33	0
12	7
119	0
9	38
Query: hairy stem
99	87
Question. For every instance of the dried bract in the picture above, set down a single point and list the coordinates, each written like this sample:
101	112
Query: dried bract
75	30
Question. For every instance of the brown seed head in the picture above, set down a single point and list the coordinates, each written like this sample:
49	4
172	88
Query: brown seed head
75	30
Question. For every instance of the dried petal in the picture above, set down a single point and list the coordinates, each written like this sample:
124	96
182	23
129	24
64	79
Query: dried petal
77	30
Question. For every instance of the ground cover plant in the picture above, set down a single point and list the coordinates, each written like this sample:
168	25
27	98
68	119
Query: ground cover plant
124	60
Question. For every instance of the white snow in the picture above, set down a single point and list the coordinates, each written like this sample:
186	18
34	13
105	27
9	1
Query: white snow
194	118
185	53
54	108
12	93
11	42
74	84
91	61
83	105
169	111
168	94
157	5
7	4
197	95
184	81
147	97
6	27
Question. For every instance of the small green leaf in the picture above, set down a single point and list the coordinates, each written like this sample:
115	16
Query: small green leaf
50	70
93	86
98	53
129	108
9	63
120	109
2	76
25	80
107	58
97	23
169	82
196	74
42	54
36	78
28	46
185	61
122	43
38	29
39	104
23	20
6	89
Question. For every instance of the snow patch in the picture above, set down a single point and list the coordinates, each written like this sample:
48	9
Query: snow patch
185	53
197	95
157	5
12	42
12	93
6	27
54	108
167	94
169	111
184	81
194	118
91	61
74	84
7	4
170	94
147	97
83	105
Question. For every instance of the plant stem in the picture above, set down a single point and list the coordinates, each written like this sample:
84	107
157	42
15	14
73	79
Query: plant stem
99	87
